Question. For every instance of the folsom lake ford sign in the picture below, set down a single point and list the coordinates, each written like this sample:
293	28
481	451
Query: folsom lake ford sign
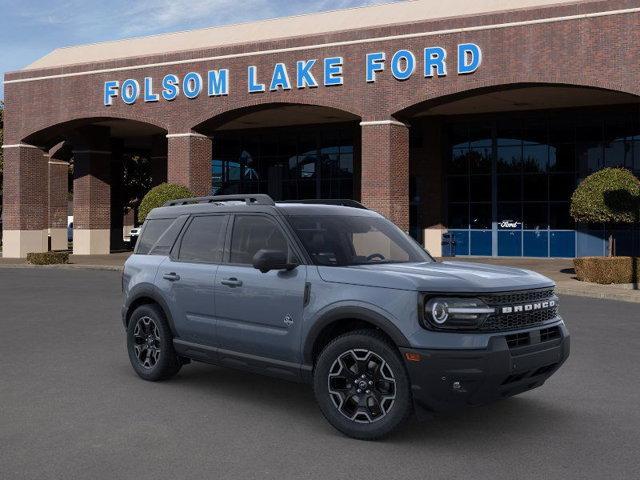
308	73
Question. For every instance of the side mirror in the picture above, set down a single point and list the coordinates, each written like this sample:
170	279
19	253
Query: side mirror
266	260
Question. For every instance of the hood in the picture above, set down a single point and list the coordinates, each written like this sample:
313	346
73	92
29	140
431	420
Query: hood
437	277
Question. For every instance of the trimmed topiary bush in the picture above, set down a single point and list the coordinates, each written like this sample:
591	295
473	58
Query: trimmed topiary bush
607	270
611	195
158	196
48	258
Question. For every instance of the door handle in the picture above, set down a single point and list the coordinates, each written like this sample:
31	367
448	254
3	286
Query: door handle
232	282
172	277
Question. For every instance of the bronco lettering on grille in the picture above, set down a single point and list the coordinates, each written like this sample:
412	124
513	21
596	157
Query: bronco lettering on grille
529	307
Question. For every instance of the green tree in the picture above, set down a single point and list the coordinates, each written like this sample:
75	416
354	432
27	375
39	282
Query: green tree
157	197
610	196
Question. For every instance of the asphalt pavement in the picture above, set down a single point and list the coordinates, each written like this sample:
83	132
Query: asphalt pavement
71	407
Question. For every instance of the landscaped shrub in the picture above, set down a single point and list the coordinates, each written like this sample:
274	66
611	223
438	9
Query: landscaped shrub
607	270
611	195
48	258
158	196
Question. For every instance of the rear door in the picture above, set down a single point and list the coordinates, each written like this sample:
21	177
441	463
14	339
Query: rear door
187	278
259	314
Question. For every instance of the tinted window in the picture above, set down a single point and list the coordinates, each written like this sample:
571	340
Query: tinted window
151	232
342	240
253	233
204	239
168	238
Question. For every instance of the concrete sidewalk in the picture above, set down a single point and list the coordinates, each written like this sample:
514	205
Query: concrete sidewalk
560	270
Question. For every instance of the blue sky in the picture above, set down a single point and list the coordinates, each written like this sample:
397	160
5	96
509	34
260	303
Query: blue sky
30	29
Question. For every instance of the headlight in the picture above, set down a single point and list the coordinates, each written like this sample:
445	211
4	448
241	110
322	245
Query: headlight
456	313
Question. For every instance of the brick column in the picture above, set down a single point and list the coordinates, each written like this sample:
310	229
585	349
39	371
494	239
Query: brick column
25	200
58	191
91	202
189	161
385	170
158	160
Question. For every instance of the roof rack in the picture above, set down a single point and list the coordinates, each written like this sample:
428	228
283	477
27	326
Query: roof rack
339	202
257	199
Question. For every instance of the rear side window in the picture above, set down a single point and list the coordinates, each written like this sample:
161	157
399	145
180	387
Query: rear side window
151	232
203	241
168	238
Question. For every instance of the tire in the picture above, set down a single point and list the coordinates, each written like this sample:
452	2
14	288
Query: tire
150	344
369	407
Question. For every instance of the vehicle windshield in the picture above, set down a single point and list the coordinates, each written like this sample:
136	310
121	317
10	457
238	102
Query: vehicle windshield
341	240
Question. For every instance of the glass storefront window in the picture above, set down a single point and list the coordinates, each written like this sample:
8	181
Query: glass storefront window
538	159
510	159
291	163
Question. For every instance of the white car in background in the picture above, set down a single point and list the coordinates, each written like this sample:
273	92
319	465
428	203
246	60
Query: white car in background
133	237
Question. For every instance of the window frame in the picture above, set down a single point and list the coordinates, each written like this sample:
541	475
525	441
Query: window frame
281	225
175	251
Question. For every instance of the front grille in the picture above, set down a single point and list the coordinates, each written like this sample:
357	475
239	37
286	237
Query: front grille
515	298
511	321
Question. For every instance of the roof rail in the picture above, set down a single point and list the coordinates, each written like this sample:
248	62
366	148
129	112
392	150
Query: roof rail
257	199
345	202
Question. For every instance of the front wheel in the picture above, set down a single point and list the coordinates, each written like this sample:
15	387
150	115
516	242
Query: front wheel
362	386
150	344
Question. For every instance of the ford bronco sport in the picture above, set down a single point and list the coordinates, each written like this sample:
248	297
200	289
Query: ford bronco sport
337	296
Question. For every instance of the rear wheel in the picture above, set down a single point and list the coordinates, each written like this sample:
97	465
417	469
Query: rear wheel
150	344
362	386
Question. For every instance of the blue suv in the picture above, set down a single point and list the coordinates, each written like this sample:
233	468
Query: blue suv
333	294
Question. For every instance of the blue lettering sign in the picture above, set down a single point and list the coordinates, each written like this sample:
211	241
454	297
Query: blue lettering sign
375	63
403	64
469	58
192	85
170	87
149	96
130	91
333	71
304	77
254	87
280	78
218	82
434	59
110	92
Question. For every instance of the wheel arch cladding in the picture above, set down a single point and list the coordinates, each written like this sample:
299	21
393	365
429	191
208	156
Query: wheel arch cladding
345	319
146	296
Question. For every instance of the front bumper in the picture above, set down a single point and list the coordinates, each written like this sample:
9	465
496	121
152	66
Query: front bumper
448	379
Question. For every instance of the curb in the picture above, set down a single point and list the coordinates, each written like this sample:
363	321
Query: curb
68	266
617	296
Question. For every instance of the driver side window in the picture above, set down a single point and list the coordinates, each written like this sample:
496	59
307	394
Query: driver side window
252	233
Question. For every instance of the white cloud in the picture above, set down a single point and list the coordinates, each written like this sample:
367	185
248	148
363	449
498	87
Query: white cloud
122	18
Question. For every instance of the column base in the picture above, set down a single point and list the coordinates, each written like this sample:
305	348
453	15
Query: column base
91	242
17	243
433	240
59	239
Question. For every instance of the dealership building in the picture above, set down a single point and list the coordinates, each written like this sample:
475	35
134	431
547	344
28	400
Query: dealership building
476	118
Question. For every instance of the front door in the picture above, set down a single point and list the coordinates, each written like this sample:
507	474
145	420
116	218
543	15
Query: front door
259	314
